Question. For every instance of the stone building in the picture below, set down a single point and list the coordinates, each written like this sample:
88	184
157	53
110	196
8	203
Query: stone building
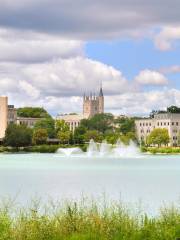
170	121
93	104
12	114
73	120
28	121
3	116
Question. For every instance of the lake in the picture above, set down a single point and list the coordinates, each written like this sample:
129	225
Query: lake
149	180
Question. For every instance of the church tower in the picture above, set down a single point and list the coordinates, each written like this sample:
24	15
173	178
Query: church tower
93	104
101	101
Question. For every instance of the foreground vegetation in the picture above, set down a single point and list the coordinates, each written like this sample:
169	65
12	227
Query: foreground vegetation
74	221
161	150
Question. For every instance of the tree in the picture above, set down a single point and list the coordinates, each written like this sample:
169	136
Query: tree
40	136
64	137
18	136
173	109
34	112
79	134
125	125
158	137
100	122
48	124
93	134
61	125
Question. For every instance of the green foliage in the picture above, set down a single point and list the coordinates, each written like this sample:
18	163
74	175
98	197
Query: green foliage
61	125
163	150
83	221
40	136
158	137
79	134
173	109
64	137
100	122
18	136
48	124
93	134
125	125
34	112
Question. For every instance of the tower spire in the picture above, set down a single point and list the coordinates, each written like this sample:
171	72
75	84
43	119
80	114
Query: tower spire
101	90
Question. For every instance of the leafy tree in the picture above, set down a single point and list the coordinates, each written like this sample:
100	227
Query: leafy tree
48	124
61	125
93	134
173	109
64	137
18	136
79	134
40	136
100	122
125	125
112	137
34	112
158	137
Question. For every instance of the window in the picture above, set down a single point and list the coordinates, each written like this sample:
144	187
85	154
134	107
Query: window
140	124
176	123
164	123
149	124
172	123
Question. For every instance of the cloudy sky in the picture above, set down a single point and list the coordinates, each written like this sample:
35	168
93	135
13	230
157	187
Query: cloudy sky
51	51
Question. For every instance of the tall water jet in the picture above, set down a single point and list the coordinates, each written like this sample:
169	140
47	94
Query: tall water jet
122	150
92	149
105	149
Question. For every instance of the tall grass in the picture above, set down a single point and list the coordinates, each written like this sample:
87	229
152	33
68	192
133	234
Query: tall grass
75	221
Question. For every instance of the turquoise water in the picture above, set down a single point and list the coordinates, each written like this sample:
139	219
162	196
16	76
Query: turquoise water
150	180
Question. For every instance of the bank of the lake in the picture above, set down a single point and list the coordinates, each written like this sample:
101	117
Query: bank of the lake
45	148
161	150
40	148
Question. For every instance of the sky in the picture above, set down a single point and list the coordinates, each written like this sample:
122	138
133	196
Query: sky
52	51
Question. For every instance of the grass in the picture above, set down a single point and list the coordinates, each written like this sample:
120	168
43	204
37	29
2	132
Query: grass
73	221
163	150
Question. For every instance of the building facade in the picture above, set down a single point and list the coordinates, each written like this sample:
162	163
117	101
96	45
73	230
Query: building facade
29	122
169	121
93	104
12	114
3	116
73	120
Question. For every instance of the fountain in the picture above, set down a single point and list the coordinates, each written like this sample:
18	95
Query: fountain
103	149
69	151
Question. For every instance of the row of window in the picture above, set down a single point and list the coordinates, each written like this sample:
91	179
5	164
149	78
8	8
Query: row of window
160	124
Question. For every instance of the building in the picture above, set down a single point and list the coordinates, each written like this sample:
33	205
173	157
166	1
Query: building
3	116
29	122
73	120
93	104
12	114
8	114
170	121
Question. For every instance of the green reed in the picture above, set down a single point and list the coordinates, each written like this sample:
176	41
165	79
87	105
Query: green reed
86	221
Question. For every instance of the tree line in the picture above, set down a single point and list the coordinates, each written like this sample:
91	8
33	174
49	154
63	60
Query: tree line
100	127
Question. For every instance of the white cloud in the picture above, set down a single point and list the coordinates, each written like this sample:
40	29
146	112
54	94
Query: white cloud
59	85
142	103
59	79
165	39
148	77
170	69
28	46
